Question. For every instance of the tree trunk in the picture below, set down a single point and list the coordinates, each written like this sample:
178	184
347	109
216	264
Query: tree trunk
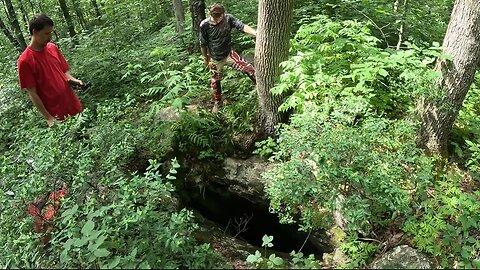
78	11
273	36
197	9
35	9
25	15
15	25
462	42
179	16
68	18
96	8
403	18
9	35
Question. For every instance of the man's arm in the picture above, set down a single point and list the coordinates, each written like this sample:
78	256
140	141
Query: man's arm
71	78
205	55
203	38
32	92
249	30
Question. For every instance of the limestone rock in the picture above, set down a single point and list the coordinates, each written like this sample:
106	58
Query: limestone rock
403	257
243	177
168	114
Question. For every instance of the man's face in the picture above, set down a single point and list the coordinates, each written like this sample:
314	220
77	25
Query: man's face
217	18
43	36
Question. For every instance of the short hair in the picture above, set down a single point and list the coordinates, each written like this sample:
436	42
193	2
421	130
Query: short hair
216	10
38	22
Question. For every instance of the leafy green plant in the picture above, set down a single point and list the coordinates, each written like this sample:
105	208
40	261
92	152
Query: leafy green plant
376	164
199	135
266	147
338	65
349	149
274	262
359	252
447	224
112	214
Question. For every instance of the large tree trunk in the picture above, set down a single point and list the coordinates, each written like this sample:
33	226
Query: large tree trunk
197	9
179	16
273	36
9	35
68	18
12	16
462	42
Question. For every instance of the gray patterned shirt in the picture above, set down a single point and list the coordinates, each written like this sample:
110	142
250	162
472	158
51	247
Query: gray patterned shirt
217	38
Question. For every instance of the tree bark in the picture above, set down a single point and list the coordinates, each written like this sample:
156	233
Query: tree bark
96	8
79	13
68	18
197	10
25	15
462	42
403	18
273	36
12	16
179	16
9	35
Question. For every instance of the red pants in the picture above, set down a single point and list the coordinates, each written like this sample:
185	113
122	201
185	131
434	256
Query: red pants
236	62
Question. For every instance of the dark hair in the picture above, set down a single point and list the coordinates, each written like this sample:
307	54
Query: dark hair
38	22
216	10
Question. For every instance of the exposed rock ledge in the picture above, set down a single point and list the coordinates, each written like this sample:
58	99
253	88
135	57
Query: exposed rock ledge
244	178
403	257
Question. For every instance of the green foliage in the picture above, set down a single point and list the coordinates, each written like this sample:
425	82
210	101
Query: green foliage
112	217
349	147
359	252
447	224
140	215
338	65
240	104
341	143
375	167
274	262
266	147
199	135
466	132
168	78
137	214
422	27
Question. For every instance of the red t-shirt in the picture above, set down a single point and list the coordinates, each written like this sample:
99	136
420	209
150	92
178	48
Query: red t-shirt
45	71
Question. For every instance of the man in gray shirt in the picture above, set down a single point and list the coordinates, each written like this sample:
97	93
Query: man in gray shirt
215	43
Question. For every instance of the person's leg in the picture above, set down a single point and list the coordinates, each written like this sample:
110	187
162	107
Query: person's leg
240	64
215	83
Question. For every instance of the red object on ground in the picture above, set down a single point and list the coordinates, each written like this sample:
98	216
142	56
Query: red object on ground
44	209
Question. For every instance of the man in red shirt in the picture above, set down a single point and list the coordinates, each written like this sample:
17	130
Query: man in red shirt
43	72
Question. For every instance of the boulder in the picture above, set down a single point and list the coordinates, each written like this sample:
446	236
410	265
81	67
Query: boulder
244	178
168	114
403	257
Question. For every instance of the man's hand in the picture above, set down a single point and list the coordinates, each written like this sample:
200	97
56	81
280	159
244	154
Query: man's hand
76	83
249	30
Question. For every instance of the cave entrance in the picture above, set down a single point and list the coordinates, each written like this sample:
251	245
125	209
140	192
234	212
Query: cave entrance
249	222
